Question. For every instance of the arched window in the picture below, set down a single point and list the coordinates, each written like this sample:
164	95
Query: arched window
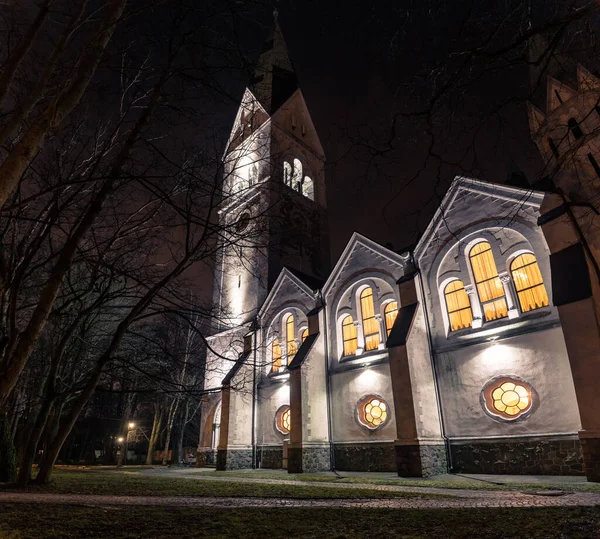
287	174
276	352
458	306
308	188
349	336
574	127
489	287
529	282
370	323
297	176
304	334
290	338
390	312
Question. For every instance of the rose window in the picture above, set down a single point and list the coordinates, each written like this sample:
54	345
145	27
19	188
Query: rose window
282	420
372	411
507	398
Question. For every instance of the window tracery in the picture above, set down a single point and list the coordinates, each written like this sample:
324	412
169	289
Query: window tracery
372	411
369	322
293	177
489	287
290	337
458	306
283	420
349	336
390	312
529	282
507	398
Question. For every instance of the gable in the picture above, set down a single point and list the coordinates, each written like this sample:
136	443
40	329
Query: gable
362	253
287	287
557	94
250	109
469	202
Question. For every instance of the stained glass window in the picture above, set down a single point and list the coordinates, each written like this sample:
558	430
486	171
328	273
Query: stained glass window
349	336
507	398
282	420
304	334
290	334
373	411
489	287
276	352
391	312
529	282
458	306
370	323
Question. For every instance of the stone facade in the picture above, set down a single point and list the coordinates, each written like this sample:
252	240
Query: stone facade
270	457
234	459
309	459
365	457
533	457
421	460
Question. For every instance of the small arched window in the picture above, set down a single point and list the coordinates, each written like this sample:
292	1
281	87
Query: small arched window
458	306
390	312
297	176
553	147
489	288
308	188
575	128
276	353
304	334
349	336
529	282
287	174
370	323
290	339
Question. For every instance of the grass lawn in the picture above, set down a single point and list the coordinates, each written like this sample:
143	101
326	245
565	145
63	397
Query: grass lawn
20	521
431	483
132	484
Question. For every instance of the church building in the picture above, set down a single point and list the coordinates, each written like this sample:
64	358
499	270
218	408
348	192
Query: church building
470	353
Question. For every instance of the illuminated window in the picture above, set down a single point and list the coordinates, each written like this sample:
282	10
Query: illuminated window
458	306
282	420
297	176
304	334
287	174
390	312
308	188
370	323
507	398
290	339
349	336
529	282
489	287
276	352
373	411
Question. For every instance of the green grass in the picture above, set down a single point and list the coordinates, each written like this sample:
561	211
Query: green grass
21	521
469	484
132	484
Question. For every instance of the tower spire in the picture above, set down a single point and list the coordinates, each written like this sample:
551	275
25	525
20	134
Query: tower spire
274	78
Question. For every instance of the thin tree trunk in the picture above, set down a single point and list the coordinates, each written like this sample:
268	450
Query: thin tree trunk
19	158
170	422
156	426
125	418
181	433
34	439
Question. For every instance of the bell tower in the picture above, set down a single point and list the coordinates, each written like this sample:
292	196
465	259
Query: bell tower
565	125
273	211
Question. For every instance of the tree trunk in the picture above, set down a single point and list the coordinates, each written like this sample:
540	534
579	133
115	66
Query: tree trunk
33	442
181	433
156	426
170	421
124	432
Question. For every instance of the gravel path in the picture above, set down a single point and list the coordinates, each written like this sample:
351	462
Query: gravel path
458	499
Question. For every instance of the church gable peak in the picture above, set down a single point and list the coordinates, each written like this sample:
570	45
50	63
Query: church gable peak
557	93
536	118
286	277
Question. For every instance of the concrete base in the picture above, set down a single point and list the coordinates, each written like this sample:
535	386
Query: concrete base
374	457
559	456
270	457
590	448
234	459
309	459
421	460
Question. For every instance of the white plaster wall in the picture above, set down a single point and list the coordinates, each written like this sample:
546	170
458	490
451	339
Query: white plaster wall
240	411
314	396
347	388
270	399
226	348
539	358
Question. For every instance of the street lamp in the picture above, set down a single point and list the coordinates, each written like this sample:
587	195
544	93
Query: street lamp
120	439
131	425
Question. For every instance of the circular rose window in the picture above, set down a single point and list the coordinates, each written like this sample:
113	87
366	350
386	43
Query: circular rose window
373	411
282	420
507	398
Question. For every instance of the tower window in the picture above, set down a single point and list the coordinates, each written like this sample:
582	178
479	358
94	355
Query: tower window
349	336
297	176
308	188
287	174
276	353
390	312
489	287
370	323
594	164
575	129
290	335
529	282
553	147
458	306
